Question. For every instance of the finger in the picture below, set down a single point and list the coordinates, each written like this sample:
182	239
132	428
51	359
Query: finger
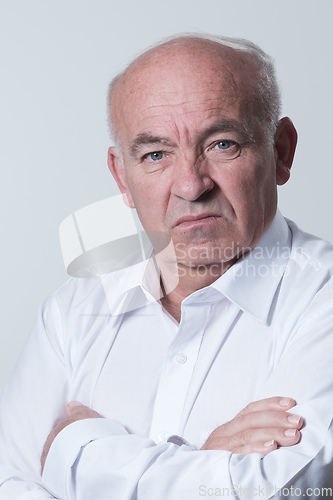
70	408
282	437
262	420
272	444
273	403
77	410
258	447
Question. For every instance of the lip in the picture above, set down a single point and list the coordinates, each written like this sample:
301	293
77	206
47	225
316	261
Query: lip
192	220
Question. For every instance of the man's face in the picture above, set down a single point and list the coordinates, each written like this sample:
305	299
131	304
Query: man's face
196	164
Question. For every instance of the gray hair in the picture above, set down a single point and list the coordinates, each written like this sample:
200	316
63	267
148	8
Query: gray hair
266	95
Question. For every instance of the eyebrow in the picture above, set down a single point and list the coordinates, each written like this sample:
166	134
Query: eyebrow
224	125
144	139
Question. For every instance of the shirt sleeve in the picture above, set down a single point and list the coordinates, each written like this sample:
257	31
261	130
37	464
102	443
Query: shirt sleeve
94	459
31	405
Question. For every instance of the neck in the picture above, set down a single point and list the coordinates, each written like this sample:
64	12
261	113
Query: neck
190	279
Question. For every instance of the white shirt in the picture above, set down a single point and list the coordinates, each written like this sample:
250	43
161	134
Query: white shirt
265	328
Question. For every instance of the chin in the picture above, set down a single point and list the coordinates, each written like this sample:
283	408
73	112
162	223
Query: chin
205	253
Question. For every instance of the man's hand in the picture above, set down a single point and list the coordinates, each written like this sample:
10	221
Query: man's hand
74	411
260	428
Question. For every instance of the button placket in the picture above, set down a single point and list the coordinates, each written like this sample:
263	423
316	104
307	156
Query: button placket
177	373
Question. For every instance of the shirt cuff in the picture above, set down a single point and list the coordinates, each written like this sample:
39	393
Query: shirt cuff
66	448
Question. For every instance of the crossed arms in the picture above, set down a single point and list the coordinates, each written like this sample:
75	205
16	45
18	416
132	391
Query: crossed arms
260	428
100	458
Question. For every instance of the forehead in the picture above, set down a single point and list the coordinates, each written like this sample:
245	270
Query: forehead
184	87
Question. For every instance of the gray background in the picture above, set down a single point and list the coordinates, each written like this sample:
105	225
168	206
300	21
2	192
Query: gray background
57	57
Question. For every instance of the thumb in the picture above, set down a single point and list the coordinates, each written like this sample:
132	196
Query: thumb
73	407
77	411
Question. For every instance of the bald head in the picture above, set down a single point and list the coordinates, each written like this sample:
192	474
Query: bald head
243	67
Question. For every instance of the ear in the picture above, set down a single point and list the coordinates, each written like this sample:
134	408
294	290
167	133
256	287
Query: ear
285	145
117	169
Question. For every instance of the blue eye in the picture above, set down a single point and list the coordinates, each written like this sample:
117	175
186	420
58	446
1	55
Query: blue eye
224	144
156	155
224	150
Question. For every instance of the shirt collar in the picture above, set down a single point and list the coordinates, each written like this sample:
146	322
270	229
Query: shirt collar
132	287
251	283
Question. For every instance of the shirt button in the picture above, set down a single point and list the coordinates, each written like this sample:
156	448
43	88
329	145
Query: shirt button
181	358
163	436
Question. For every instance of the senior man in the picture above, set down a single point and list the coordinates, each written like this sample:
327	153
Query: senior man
157	392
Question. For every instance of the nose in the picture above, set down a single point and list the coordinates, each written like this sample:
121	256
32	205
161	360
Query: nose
191	179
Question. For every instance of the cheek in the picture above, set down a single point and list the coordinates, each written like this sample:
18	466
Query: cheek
256	176
238	183
150	202
250	187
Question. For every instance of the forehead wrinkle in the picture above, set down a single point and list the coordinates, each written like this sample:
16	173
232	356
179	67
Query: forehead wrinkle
176	111
226	125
